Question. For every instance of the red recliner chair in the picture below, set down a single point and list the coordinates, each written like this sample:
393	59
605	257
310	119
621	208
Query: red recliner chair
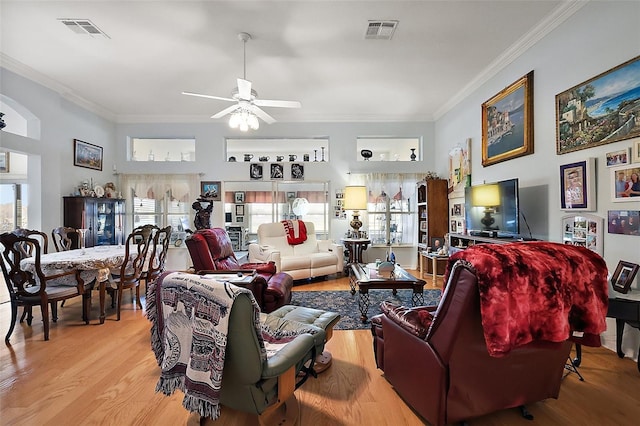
457	361
211	250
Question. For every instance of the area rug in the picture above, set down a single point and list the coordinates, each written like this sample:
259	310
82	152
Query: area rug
346	304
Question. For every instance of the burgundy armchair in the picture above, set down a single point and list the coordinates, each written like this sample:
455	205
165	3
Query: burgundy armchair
443	362
211	250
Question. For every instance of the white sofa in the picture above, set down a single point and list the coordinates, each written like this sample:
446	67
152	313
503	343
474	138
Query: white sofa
312	258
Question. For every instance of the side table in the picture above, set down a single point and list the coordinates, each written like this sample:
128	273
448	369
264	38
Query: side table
435	258
355	246
625	311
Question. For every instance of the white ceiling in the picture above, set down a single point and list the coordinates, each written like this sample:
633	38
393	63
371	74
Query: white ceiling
311	51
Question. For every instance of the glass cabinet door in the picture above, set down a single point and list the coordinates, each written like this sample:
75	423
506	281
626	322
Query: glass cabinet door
109	222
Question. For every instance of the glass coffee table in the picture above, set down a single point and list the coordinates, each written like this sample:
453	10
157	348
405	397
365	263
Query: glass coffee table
366	277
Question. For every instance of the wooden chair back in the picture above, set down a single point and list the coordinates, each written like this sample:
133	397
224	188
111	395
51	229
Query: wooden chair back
136	249
26	248
159	249
65	238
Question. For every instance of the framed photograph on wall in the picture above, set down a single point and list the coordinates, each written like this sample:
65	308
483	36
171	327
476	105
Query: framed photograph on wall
618	158
239	209
593	112
239	219
238	197
210	190
623	276
577	185
625	222
635	151
255	171
297	171
87	155
625	183
507	123
277	171
4	162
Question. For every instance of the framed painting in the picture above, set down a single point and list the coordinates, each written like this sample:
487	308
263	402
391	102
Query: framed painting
507	123
618	158
600	110
625	183
210	190
4	162
297	171
277	171
255	171
87	155
623	276
436	244
459	169
577	185
635	151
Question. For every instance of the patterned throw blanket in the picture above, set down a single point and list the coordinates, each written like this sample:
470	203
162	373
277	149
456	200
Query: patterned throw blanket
538	291
296	231
190	320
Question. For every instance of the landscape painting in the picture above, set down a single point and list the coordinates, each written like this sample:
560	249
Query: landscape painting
507	123
599	111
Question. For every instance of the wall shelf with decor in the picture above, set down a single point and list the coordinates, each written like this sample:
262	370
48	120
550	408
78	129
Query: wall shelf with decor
433	215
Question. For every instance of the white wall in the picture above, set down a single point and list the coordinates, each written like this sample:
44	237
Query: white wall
598	37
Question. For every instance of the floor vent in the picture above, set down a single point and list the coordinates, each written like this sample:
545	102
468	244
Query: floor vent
380	30
83	26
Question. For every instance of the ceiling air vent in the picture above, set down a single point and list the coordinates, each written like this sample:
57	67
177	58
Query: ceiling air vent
381	30
83	26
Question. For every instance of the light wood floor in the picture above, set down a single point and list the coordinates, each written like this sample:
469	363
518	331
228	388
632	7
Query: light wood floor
106	374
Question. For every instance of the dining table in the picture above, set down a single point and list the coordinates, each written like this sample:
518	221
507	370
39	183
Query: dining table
94	263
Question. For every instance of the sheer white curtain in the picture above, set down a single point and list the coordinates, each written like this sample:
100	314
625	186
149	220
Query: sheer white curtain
182	187
397	186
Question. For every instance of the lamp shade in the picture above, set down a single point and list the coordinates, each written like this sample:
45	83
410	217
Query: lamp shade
355	198
486	196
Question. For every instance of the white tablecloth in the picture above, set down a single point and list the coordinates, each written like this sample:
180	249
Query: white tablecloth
94	263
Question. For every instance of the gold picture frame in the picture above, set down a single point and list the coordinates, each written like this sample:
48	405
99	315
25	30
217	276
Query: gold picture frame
507	123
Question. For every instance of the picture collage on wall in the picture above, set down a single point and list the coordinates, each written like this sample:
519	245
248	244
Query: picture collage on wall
276	171
583	230
456	225
338	209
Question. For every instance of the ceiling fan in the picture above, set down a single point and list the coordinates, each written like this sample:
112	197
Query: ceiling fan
247	108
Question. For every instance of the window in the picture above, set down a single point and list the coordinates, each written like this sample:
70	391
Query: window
13	206
162	149
391	210
164	212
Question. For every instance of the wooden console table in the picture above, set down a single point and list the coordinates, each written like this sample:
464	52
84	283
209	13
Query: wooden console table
624	311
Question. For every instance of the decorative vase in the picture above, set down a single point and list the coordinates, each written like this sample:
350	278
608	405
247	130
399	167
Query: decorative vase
366	154
413	154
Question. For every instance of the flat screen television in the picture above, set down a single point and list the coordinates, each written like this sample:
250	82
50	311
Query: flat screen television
492	209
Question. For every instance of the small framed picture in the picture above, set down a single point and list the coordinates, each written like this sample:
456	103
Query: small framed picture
635	151
454	226
423	225
277	171
210	190
255	171
87	155
577	183
238	197
457	209
623	276
625	222
437	243
297	171
239	209
625	183
239	219
4	162
618	158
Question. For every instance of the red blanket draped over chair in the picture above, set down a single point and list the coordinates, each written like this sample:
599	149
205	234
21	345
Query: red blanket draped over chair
538	291
296	231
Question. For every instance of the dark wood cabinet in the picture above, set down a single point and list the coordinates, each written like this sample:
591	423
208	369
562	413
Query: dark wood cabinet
103	218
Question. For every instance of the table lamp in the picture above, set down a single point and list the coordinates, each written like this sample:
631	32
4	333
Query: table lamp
487	196
355	198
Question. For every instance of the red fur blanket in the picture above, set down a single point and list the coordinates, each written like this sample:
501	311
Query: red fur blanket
538	291
296	231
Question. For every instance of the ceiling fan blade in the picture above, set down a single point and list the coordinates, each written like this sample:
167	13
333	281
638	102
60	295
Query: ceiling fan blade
244	89
280	104
226	111
261	114
200	95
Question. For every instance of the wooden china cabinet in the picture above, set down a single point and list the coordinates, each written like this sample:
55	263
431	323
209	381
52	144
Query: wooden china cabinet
103	219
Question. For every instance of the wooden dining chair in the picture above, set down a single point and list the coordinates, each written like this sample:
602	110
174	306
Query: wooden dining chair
65	238
27	249
29	289
136	250
158	254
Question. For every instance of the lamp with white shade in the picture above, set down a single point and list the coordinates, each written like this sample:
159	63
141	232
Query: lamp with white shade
355	198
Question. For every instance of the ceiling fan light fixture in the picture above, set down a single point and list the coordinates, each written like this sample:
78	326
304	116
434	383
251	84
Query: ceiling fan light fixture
244	120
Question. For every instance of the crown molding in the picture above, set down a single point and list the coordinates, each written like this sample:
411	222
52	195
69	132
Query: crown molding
65	92
563	12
